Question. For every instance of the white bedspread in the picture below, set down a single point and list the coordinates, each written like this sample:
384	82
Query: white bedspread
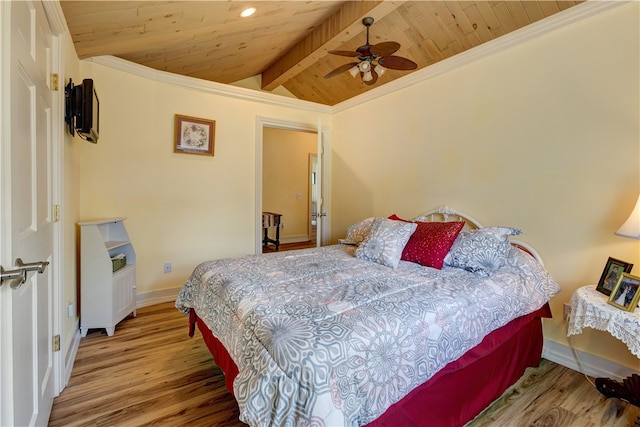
324	339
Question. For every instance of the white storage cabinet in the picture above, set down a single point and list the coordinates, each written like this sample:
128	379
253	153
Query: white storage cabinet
106	297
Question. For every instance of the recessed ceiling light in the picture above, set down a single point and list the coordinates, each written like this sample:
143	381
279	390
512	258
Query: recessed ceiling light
248	12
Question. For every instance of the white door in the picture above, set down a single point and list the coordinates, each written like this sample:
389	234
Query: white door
313	198
26	229
321	215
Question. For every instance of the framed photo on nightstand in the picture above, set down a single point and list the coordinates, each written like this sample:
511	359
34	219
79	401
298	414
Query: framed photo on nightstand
611	275
626	294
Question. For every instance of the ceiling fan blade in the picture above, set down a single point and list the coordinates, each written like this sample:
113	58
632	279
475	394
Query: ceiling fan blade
373	80
341	69
397	63
343	52
385	48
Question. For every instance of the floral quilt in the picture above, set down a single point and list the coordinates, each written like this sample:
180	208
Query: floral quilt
322	338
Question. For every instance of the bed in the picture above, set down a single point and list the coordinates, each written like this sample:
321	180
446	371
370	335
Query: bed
404	323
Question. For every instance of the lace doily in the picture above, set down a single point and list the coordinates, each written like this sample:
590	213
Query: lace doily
590	308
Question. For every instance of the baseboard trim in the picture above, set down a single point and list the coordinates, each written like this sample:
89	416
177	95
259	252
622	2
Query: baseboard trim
583	362
294	239
70	357
156	297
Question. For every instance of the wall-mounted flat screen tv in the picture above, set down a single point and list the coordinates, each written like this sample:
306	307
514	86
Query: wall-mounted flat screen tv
83	110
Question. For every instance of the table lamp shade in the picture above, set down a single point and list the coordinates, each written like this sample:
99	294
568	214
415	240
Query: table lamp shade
631	227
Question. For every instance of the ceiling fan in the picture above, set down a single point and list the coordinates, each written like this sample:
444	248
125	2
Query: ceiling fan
372	59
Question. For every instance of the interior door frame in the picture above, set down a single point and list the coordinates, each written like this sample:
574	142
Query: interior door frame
268	122
58	26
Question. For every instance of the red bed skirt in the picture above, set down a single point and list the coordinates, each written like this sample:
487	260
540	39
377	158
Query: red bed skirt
459	391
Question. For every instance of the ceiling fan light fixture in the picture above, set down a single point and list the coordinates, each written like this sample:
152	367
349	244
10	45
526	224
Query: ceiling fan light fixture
375	59
365	66
248	12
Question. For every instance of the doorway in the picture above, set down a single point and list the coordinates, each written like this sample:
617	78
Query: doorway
286	186
289	181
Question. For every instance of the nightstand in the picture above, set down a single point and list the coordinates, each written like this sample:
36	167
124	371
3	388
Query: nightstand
589	308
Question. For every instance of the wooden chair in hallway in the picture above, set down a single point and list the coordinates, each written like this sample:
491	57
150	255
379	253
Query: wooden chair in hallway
269	220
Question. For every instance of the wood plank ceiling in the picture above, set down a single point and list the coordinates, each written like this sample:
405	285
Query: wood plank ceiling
287	42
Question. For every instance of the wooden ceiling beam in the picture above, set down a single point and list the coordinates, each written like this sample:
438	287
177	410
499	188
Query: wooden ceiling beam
335	31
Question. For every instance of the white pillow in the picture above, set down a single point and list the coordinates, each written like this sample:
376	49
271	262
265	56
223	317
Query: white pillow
481	251
385	241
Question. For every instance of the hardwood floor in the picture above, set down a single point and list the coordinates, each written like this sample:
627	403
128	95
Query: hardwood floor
151	373
552	395
288	246
148	373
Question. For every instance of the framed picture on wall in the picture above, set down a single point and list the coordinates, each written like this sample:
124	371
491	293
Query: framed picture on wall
626	294
194	135
612	272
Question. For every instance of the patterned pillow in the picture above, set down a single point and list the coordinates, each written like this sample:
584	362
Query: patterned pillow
481	251
431	242
385	241
358	232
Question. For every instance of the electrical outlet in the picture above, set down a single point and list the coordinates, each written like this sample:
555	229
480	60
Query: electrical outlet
167	267
567	311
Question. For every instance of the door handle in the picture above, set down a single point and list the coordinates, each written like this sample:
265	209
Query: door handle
18	276
15	277
38	266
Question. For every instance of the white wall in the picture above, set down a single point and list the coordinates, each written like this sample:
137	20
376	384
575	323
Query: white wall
181	208
543	136
70	212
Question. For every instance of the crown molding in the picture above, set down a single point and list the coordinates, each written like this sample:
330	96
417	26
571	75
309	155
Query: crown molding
207	86
559	20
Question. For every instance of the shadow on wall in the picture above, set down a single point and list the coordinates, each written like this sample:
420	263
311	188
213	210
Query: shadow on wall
351	199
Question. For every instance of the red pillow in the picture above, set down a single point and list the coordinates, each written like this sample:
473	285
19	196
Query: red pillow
431	242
